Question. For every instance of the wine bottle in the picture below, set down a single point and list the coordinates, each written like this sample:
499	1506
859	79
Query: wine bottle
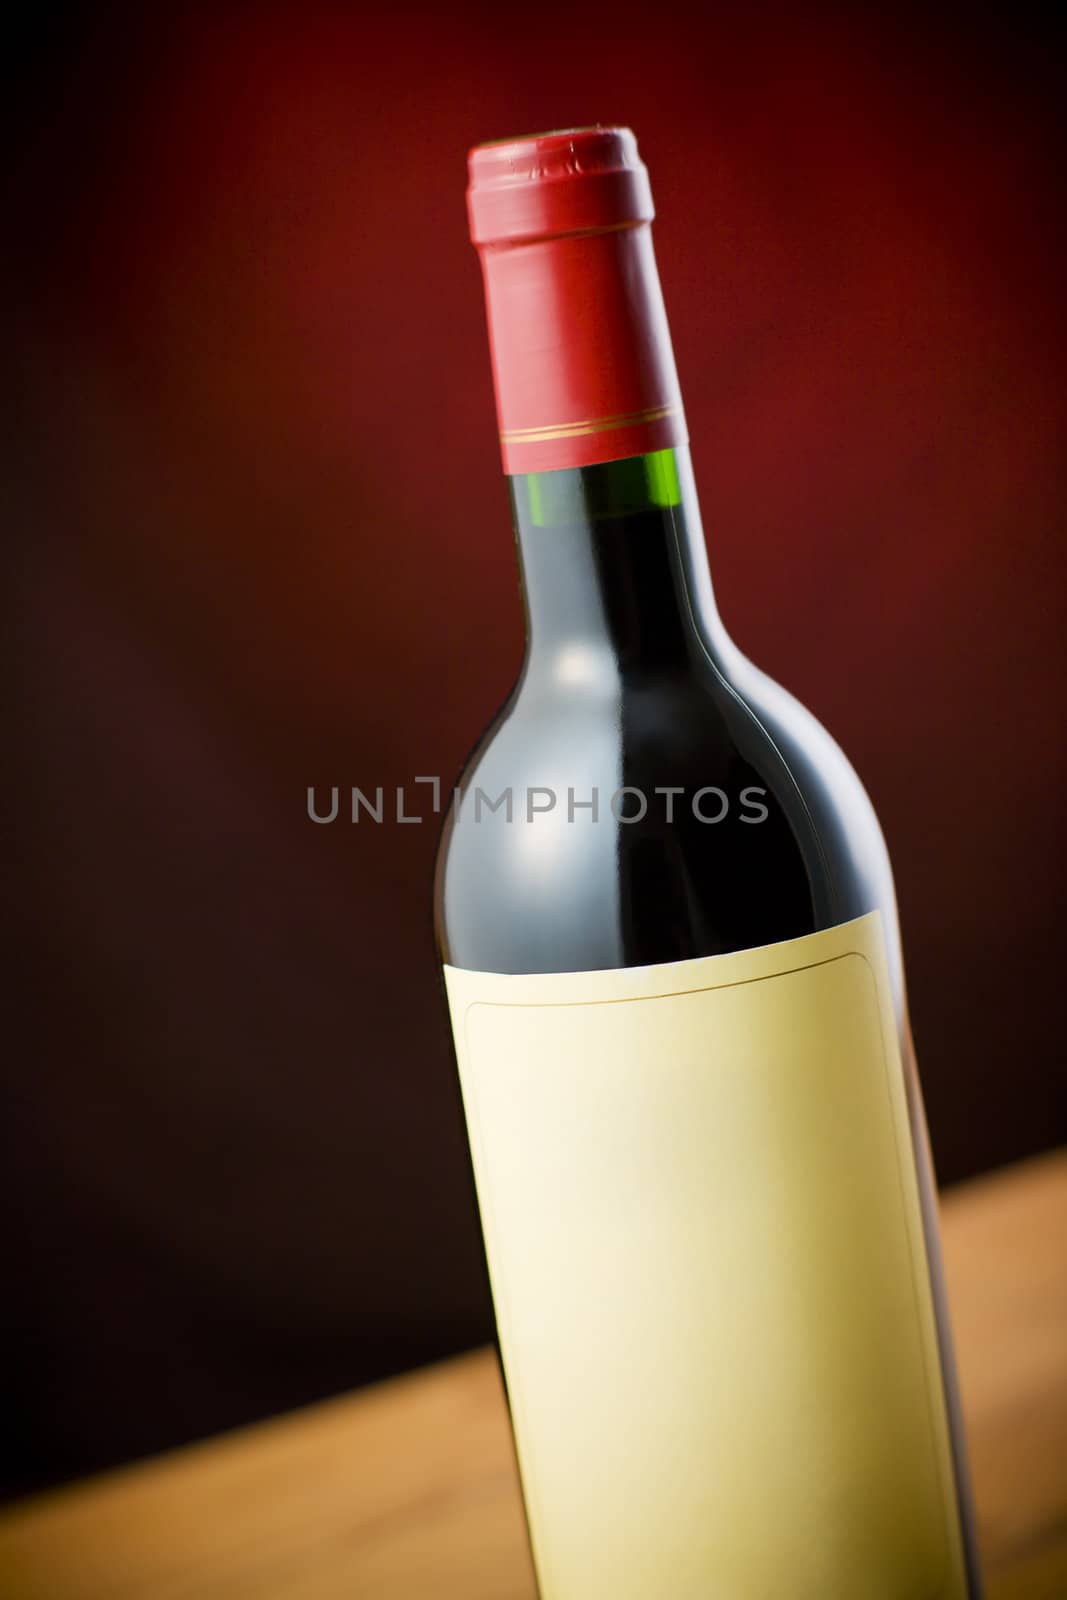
667	924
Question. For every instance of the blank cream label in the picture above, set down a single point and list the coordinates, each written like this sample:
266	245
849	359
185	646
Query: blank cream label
703	1230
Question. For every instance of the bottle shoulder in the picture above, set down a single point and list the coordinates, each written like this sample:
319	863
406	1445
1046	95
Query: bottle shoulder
722	711
652	818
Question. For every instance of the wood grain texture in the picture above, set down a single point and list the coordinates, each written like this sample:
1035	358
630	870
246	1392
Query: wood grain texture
408	1491
1005	1242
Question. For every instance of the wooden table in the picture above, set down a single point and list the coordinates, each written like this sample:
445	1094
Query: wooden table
408	1491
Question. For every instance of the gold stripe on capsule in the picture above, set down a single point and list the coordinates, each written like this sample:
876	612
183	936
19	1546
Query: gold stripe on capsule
574	430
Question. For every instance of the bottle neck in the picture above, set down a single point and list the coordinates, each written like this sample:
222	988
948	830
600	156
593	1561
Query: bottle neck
614	571
592	428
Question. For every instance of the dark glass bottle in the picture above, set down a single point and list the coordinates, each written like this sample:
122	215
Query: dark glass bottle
646	795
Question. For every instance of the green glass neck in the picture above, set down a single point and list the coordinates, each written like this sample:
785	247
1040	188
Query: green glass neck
612	559
586	494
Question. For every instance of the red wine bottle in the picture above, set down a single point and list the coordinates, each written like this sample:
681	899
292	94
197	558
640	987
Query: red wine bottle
667	923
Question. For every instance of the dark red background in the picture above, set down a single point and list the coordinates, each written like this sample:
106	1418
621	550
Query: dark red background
259	541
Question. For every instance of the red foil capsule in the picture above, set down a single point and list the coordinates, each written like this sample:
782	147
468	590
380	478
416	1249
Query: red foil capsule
582	361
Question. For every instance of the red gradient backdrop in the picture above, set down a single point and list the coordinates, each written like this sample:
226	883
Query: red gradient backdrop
259	541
